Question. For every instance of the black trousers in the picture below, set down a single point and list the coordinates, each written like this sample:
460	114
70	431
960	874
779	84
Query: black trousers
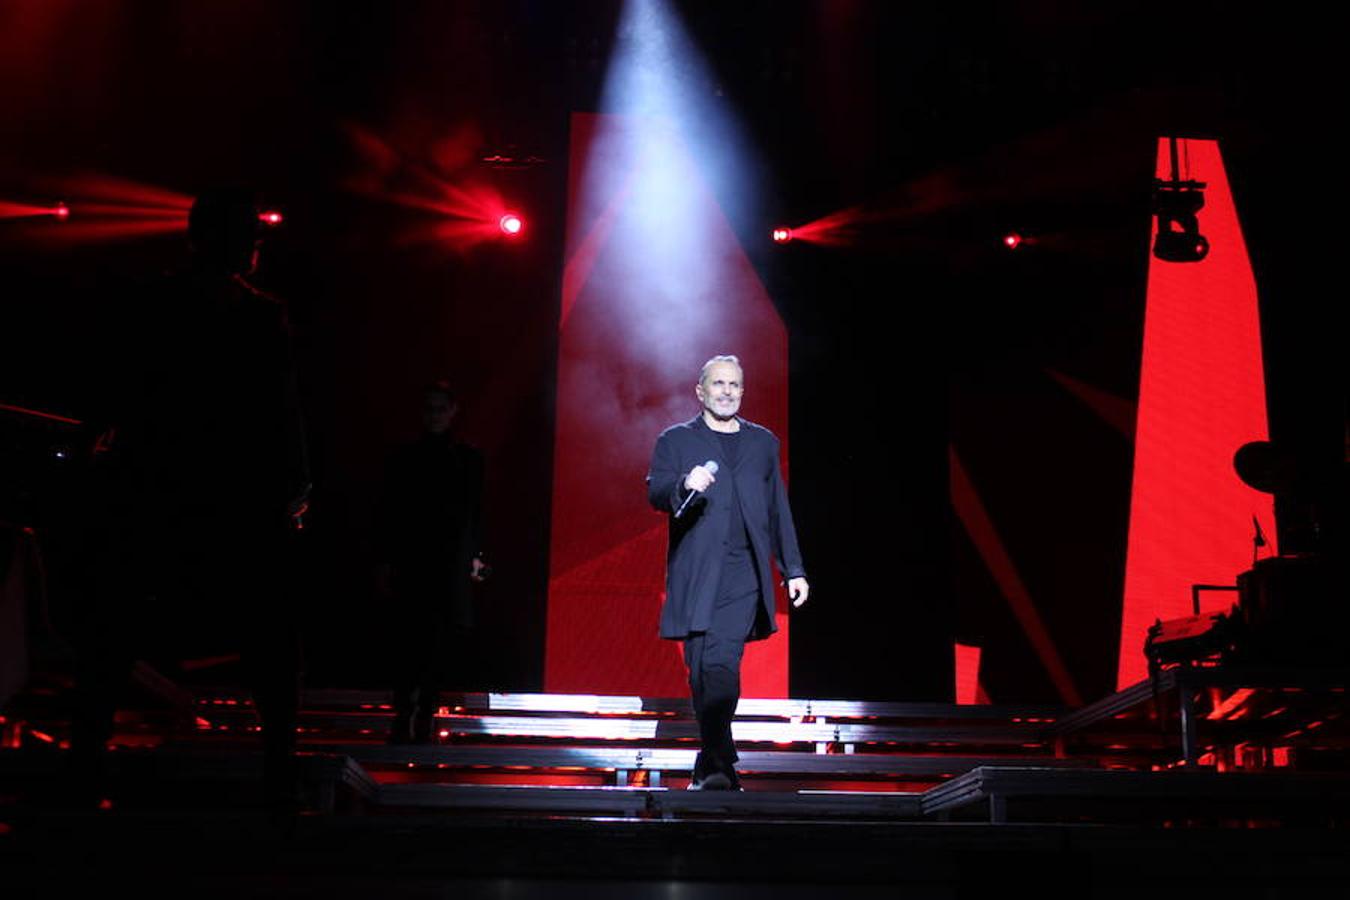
713	658
432	647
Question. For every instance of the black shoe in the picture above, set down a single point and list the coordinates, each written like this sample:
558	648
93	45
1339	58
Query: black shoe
713	782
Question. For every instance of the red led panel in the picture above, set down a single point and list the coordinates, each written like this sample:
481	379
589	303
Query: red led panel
1201	396
968	675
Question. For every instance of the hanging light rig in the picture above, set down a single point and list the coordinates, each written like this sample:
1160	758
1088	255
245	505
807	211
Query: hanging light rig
1177	204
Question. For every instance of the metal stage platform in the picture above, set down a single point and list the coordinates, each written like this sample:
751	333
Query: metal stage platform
1198	743
523	793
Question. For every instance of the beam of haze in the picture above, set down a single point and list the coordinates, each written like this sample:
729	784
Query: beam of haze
655	282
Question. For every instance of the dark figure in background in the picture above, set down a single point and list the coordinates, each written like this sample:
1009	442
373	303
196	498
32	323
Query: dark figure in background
200	485
429	543
718	588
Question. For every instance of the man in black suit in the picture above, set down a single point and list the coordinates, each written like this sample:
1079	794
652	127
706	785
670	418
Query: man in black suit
726	522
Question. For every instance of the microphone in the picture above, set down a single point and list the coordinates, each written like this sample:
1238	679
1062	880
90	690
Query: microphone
1258	540
711	466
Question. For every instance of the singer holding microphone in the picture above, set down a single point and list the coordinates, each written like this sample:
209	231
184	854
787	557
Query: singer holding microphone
718	476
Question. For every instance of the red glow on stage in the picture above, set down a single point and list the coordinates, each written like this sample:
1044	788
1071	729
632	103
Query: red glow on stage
782	235
1012	241
21	410
971	511
84	191
1230	707
1201	396
119	229
837	229
109	209
511	224
11	210
968	688
270	217
1117	412
459	215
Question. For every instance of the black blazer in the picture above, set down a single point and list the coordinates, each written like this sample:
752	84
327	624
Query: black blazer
698	538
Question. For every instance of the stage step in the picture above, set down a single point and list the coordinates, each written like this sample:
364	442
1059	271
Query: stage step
1060	794
659	764
654	802
619	705
758	722
170	777
574	728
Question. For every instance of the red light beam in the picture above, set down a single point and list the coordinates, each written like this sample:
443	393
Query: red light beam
470	213
13	210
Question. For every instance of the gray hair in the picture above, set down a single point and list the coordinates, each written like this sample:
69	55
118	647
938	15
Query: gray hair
703	373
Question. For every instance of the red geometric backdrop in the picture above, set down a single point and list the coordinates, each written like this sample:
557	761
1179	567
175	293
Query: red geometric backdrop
1201	396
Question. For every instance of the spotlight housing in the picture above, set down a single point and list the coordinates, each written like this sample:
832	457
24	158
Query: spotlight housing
782	235
511	224
1177	204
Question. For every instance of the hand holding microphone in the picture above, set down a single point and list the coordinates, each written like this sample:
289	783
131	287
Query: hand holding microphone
699	479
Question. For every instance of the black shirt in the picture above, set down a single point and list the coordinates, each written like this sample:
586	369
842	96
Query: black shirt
738	539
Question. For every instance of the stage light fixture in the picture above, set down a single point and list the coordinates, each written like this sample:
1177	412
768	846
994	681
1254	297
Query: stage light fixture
270	217
782	235
61	211
509	156
1012	240
1177	204
511	224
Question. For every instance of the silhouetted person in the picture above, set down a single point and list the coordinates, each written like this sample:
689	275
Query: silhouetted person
201	485
428	545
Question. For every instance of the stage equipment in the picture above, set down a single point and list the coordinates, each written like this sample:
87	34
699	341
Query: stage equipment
1177	204
1300	510
1192	639
509	157
1293	612
1290	611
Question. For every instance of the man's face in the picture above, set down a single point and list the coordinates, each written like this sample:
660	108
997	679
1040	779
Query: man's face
721	389
438	411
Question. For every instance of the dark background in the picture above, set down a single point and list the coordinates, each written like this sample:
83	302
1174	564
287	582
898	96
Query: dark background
977	118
